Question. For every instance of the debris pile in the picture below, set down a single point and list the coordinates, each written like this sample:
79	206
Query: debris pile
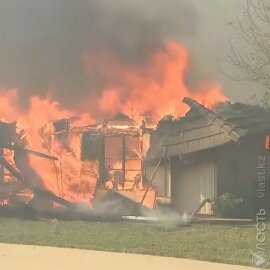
98	169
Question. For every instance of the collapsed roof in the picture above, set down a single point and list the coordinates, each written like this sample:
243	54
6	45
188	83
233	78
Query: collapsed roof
202	128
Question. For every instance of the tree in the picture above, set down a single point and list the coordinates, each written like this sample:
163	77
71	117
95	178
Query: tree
251	56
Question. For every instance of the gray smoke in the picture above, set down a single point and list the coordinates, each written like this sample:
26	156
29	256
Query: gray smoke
215	31
42	42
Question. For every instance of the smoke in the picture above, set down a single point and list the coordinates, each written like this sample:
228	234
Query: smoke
43	42
166	217
215	32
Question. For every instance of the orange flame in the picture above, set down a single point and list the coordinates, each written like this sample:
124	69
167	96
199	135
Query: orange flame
154	89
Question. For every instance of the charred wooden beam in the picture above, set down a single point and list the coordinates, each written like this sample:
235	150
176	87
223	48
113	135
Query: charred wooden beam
11	169
39	154
35	153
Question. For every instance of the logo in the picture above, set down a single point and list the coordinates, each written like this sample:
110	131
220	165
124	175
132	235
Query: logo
259	260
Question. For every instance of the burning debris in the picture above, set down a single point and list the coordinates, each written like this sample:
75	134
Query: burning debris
17	177
84	160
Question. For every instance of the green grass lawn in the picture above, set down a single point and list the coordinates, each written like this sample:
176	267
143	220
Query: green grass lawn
217	243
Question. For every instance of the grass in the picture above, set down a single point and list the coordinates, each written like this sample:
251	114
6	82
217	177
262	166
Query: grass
216	243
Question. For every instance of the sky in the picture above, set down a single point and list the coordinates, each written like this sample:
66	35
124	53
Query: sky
42	41
216	19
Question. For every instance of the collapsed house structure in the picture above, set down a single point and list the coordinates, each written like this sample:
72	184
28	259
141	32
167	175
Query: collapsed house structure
84	163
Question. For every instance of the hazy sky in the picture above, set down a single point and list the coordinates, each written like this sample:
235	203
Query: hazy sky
42	41
213	41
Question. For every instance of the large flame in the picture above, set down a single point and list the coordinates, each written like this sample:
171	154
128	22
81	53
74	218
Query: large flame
153	89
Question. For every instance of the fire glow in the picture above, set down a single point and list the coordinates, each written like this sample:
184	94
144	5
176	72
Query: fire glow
152	90
156	88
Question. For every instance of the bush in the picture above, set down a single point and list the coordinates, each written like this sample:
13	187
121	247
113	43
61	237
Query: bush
228	206
252	203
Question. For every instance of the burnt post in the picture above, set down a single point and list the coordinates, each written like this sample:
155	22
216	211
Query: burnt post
123	161
7	138
102	165
1	167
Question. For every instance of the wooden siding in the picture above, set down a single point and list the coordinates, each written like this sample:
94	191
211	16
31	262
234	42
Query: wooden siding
192	183
162	179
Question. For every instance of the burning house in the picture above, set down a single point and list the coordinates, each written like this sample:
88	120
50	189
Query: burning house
89	157
209	152
125	78
184	162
